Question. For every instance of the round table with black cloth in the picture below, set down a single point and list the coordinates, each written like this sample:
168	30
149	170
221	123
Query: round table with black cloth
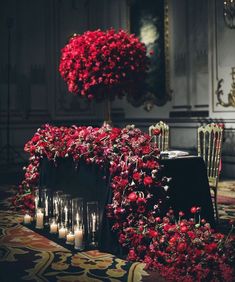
188	187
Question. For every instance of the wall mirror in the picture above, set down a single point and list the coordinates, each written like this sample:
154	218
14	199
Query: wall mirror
149	20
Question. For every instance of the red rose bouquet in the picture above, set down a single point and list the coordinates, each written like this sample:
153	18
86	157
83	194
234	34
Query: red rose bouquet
99	63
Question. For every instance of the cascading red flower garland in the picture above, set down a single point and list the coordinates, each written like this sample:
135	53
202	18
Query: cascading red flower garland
98	63
182	250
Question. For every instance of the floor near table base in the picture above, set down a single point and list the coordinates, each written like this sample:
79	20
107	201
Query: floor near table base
226	199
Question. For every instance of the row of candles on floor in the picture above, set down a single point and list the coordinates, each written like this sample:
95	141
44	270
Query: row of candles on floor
64	216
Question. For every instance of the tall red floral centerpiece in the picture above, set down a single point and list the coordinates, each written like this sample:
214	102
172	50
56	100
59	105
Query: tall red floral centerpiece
101	65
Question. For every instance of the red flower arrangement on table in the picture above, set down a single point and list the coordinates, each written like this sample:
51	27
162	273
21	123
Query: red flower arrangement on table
182	250
100	63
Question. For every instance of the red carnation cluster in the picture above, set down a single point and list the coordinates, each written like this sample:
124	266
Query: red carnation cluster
99	63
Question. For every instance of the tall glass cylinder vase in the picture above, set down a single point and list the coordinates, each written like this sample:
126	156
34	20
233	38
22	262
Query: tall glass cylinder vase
77	212
92	223
36	198
107	110
56	205
46	204
66	210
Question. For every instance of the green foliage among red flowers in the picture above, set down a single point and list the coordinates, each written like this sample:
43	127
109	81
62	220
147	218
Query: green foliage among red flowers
182	250
99	62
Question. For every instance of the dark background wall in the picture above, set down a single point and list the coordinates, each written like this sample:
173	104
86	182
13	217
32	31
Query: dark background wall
201	51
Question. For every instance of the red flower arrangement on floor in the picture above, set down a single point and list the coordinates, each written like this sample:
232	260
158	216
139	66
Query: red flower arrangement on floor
182	250
99	63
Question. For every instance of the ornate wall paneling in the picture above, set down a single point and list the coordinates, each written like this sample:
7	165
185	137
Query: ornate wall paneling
228	153
149	20
8	68
25	53
222	63
221	86
22	71
69	17
189	56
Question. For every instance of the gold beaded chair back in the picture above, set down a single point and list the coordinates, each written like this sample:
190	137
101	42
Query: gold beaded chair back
160	135
209	148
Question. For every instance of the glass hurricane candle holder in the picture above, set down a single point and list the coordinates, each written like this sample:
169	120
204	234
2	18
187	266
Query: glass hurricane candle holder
79	237
39	218
56	205
46	204
70	237
62	231
77	212
66	210
53	226
36	198
92	223
27	219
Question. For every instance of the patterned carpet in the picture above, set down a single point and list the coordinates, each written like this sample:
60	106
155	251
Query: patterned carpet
226	199
28	256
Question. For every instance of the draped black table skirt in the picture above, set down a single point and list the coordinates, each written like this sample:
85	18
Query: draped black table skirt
188	187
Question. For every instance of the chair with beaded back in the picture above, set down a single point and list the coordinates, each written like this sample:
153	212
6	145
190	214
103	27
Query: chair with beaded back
209	148
160	135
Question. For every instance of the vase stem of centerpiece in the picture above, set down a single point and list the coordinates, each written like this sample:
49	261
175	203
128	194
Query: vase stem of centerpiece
107	111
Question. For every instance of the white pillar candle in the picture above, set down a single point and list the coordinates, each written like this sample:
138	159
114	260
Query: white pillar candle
56	207
27	219
53	227
66	214
78	233
62	232
93	222
46	206
70	238
39	219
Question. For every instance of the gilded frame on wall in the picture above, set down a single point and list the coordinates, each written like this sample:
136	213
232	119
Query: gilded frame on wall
149	20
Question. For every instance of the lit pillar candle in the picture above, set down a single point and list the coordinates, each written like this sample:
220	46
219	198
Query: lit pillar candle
78	233
93	222
46	206
70	238
27	219
77	219
62	232
53	227
56	207
39	219
66	214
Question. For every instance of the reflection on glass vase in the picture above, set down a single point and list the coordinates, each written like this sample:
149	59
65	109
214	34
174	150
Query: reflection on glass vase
57	205
92	223
36	198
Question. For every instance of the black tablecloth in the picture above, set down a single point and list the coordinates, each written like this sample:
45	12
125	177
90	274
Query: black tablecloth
188	187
